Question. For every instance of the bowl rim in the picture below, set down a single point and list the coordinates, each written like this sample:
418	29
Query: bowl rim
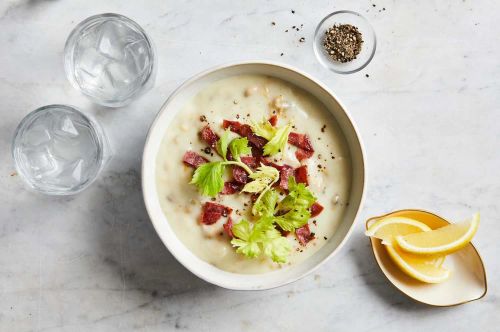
279	283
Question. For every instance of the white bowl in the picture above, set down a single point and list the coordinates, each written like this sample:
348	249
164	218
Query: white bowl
203	269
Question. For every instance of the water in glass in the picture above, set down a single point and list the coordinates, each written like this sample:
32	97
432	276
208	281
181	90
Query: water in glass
58	150
110	59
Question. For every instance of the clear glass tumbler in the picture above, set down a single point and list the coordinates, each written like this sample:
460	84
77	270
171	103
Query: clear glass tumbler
110	59
58	150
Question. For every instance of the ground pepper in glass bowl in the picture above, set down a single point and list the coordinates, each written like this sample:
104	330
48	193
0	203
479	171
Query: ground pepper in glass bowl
344	42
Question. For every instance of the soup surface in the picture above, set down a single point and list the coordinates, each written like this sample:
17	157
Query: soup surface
245	98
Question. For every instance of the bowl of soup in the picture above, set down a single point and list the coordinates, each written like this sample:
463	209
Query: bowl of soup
253	174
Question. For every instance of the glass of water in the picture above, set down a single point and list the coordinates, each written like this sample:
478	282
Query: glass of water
110	59
58	150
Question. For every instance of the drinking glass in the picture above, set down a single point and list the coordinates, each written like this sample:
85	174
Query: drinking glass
110	59
58	150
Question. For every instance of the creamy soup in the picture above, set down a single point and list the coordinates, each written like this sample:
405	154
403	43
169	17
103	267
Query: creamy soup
244	98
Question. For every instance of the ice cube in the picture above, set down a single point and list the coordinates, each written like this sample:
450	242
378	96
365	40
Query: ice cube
123	78
77	171
36	135
39	161
114	36
68	127
90	36
90	61
136	53
65	148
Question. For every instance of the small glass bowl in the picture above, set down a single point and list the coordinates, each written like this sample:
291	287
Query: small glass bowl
58	150
367	49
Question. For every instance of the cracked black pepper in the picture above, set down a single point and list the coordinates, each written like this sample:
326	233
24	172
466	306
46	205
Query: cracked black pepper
343	42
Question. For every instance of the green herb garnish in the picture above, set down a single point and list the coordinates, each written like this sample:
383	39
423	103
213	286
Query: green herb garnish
277	137
209	177
295	214
265	207
261	237
223	143
299	196
293	219
263	129
263	178
278	141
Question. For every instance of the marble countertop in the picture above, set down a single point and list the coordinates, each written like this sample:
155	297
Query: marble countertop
427	108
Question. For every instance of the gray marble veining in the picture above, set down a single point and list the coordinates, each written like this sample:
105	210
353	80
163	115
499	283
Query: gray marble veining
428	114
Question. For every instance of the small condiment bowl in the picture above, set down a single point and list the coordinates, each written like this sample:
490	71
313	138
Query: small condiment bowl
468	276
367	49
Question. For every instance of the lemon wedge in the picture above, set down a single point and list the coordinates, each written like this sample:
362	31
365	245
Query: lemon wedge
387	228
423	268
444	240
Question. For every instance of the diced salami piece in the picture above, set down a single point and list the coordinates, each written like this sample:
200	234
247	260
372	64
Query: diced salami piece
234	126
304	234
301	175
240	175
301	141
228	227
256	152
285	172
245	130
193	159
254	197
273	120
302	154
316	209
209	218
231	188
267	162
209	136
256	141
211	212
251	162
282	231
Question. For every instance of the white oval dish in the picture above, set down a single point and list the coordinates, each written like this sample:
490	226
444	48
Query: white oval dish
203	269
468	279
